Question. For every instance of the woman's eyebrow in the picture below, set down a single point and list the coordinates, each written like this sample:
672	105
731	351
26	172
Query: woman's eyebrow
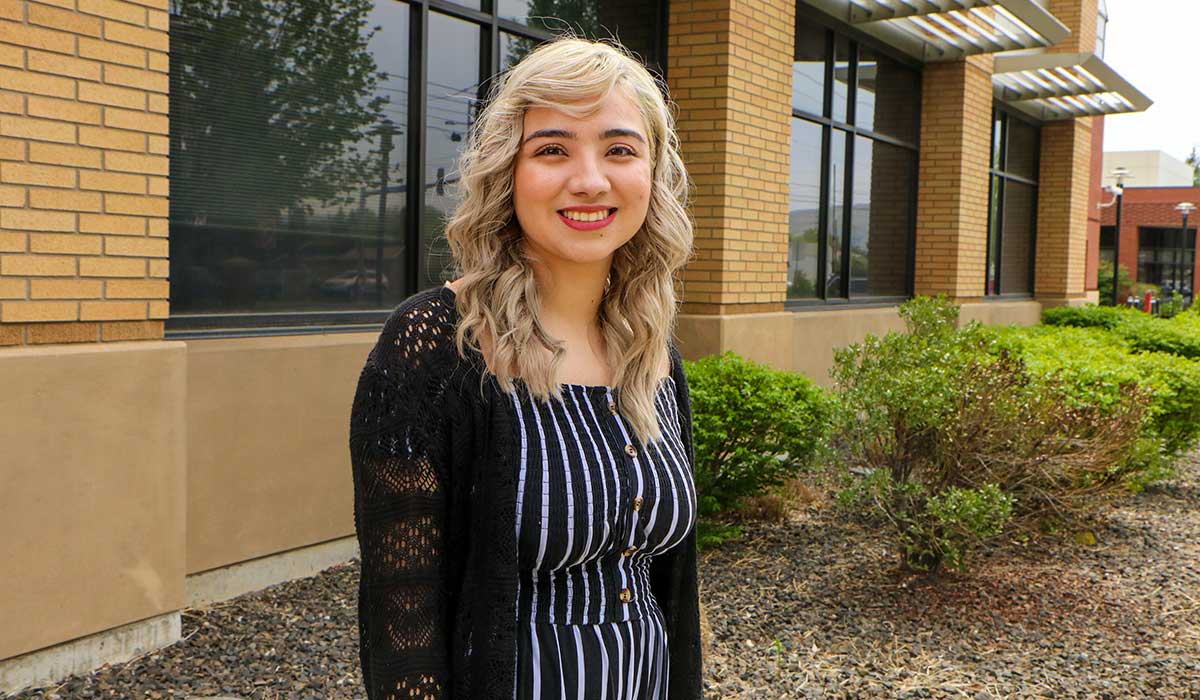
566	134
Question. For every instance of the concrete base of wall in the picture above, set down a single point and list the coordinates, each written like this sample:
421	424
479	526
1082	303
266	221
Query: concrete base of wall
49	666
254	575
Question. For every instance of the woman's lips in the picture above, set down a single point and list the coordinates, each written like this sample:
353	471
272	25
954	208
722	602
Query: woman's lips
588	225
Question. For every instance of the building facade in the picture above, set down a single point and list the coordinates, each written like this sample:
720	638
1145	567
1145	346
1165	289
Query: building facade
207	209
1155	248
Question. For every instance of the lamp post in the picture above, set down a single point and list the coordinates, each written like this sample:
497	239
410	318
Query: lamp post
1184	208
1119	174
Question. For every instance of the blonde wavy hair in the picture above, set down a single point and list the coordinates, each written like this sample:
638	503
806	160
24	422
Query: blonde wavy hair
498	295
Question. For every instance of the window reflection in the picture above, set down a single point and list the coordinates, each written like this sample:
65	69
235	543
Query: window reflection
278	157
804	210
834	285
635	23
888	96
808	69
880	219
451	104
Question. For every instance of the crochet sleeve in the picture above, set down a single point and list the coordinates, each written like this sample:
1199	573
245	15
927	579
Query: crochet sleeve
398	450
673	576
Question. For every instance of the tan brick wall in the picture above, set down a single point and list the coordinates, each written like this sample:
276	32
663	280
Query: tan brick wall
83	170
729	68
1065	177
1080	17
952	196
1064	187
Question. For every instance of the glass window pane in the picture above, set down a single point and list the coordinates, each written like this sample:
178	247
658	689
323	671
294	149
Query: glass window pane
804	212
1022	149
834	286
994	219
632	22
841	78
452	99
881	219
998	142
1016	245
808	70
285	116
888	99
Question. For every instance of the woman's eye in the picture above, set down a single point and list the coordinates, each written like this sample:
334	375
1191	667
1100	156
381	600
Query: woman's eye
622	151
550	151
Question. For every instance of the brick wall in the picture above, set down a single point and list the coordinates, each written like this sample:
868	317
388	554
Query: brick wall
1063	195
1149	206
729	68
952	195
1065	178
83	170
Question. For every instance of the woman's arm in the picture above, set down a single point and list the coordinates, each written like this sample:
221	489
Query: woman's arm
673	575
398	450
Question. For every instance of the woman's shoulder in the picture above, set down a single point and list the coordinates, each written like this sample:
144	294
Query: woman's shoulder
419	333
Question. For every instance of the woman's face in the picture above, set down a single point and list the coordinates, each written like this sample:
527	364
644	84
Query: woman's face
582	185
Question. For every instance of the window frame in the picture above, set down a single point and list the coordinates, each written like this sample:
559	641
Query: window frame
834	31
1002	113
242	324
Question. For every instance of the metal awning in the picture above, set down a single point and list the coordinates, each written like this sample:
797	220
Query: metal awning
1054	86
947	30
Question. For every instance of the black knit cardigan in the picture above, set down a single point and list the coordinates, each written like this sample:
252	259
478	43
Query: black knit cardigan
434	467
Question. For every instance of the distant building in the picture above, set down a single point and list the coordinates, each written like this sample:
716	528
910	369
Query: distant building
1154	247
1148	169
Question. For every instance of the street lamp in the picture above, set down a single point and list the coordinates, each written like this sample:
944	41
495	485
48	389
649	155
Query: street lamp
1184	208
1119	174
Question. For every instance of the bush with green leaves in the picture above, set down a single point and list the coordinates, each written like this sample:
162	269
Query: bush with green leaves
1095	364
1179	335
950	439
754	427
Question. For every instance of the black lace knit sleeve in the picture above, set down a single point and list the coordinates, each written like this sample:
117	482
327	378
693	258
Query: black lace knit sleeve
673	576
399	452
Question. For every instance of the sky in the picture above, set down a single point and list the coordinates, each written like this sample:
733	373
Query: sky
1154	45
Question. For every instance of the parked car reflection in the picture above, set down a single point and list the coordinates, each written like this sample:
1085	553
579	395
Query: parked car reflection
353	284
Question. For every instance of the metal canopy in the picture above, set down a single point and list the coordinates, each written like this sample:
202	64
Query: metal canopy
947	30
1054	86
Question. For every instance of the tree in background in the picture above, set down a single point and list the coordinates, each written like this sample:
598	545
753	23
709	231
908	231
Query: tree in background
1194	161
269	103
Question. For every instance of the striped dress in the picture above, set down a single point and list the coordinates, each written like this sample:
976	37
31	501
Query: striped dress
594	506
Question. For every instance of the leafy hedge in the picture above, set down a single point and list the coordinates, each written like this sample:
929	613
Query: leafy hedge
1179	335
1095	364
754	427
947	437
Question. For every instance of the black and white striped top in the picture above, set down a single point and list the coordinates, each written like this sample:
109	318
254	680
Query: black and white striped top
594	506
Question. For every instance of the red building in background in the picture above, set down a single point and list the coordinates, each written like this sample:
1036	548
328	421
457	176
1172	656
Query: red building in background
1154	247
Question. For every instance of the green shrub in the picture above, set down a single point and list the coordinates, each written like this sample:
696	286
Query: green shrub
1104	283
1095	364
1144	333
754	427
1089	316
948	438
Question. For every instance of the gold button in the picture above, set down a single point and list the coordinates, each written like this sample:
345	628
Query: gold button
629	552
631	450
626	595
612	407
637	503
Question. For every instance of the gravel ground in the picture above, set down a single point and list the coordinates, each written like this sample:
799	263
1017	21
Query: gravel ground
811	607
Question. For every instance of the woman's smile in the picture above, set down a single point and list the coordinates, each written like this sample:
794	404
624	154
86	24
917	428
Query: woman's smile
587	218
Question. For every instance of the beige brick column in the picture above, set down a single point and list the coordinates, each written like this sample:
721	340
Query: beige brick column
729	68
1064	178
83	170
952	196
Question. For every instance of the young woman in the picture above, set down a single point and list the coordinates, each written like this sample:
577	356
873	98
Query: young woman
521	437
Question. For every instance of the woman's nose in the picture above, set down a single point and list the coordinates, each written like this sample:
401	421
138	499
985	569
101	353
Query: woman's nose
588	179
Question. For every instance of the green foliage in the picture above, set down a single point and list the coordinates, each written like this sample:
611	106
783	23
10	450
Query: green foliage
1144	333
948	437
753	427
1090	316
1095	364
1104	281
